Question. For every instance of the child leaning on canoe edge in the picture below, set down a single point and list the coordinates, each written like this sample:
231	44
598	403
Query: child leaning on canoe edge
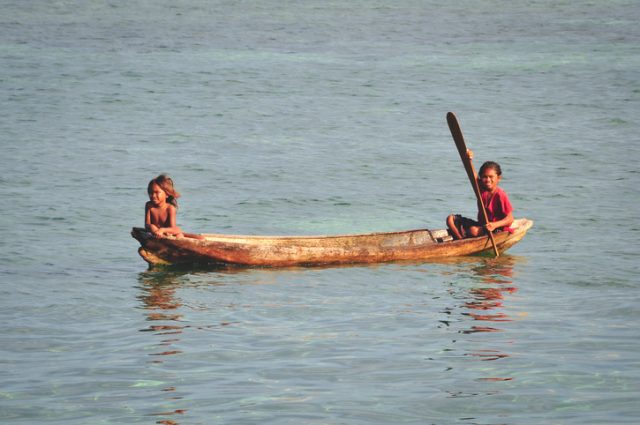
161	210
496	203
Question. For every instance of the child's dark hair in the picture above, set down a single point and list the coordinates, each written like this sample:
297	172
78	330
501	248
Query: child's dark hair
490	164
165	183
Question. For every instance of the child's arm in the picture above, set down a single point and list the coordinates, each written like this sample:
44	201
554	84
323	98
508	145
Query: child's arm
470	156
505	222
147	219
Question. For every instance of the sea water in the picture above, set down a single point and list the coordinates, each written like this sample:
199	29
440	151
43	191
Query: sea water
318	117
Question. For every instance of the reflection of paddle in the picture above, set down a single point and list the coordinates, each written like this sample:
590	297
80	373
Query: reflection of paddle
456	132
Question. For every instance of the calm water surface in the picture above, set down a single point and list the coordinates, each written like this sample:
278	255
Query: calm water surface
318	118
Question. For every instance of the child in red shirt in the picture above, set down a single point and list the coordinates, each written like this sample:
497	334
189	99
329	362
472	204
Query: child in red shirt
496	203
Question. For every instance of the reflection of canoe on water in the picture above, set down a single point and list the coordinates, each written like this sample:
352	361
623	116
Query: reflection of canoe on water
282	251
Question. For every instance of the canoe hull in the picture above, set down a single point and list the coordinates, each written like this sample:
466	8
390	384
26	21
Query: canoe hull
284	251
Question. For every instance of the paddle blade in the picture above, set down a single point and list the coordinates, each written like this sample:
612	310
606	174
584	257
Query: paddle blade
458	138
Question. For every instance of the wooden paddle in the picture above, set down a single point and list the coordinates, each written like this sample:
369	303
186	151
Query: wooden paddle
456	132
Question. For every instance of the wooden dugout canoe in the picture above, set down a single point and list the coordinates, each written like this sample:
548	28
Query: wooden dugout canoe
284	251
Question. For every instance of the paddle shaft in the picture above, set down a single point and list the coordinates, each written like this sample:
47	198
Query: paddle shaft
458	138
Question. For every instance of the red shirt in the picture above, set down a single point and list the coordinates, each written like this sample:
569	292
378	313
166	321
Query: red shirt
497	205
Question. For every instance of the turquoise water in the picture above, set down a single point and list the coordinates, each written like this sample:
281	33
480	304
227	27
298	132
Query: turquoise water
318	118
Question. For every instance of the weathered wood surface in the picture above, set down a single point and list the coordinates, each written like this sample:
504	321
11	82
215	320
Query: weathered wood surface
283	251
